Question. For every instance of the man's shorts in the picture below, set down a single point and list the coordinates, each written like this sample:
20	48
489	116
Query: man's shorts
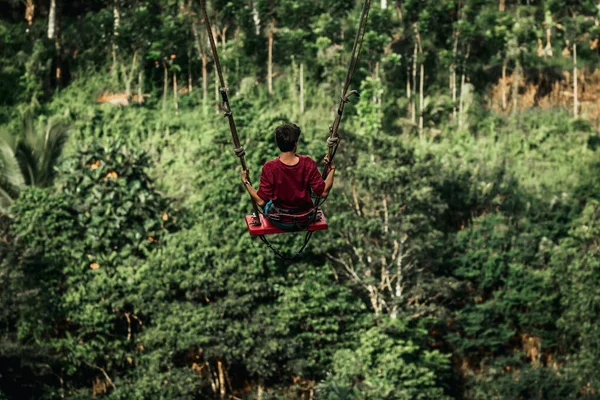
289	220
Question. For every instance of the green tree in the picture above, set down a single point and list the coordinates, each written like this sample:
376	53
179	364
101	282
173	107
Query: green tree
497	261
388	363
576	263
76	255
387	231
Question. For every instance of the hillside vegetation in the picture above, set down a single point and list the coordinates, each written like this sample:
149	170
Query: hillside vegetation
462	259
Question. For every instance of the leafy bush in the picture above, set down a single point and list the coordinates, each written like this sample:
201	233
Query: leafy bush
389	363
576	263
507	379
77	253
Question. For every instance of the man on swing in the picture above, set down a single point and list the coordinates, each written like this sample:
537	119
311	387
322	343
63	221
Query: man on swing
285	182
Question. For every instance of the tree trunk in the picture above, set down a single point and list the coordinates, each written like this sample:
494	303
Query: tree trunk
116	20
421	82
213	380
414	85
128	76
421	101
165	86
374	298
175	92
190	78
52	20
575	98
217	107
301	88
453	85
399	286
548	49
140	91
204	79
270	66
386	218
127	82
204	58
294	81
399	12
408	89
223	36
224	39
453	78
29	11
221	379
58	46
399	266
462	88
380	97
256	18
504	66
116	24
502	5
462	98
260	390
375	97
54	33
515	93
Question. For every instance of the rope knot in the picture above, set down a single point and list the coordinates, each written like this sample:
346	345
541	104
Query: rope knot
346	99
332	141
239	151
224	97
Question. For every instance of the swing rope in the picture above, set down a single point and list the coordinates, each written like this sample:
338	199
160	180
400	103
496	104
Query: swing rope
239	151
333	141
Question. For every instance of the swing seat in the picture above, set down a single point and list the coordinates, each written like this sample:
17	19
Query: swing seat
267	228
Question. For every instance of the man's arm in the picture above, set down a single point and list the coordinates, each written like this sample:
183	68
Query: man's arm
329	180
251	191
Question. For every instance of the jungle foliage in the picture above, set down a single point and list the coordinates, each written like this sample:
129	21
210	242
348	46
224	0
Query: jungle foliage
462	259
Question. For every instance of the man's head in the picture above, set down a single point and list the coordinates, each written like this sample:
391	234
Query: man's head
287	136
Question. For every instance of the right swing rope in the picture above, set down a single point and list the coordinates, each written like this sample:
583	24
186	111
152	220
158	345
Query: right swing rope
333	141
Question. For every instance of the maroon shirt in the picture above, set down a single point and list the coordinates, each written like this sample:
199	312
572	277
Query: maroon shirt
288	185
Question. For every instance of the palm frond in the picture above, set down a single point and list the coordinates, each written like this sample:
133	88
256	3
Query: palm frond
8	138
27	157
39	150
11	176
55	138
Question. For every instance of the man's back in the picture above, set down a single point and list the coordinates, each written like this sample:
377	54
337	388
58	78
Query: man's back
288	186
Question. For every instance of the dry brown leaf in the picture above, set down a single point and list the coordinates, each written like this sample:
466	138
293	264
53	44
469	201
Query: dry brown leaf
111	175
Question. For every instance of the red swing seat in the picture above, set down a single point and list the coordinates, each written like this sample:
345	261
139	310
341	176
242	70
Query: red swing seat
267	228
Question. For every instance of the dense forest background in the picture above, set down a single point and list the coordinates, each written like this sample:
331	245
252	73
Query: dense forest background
463	255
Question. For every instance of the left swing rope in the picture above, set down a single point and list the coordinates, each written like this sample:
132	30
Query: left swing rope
238	149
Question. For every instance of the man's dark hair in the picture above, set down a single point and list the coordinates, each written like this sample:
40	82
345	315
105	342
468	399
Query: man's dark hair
287	136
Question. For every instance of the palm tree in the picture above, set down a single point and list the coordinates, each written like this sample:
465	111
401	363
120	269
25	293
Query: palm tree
29	158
